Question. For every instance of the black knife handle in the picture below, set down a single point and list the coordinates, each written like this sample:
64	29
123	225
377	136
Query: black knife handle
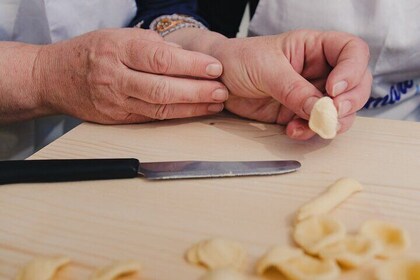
62	170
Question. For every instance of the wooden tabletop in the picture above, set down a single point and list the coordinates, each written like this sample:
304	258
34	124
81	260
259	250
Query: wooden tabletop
95	223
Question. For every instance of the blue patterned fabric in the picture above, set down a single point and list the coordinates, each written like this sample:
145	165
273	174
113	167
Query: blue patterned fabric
148	10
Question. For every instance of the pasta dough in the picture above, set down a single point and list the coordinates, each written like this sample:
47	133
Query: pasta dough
294	264
394	240
324	118
309	268
224	274
324	240
276	256
399	270
352	251
42	268
192	255
338	192
315	233
116	270
217	253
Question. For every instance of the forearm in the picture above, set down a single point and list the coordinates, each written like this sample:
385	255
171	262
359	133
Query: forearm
19	83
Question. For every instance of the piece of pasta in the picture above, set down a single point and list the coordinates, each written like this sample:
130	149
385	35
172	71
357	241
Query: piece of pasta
394	240
400	269
42	268
224	274
192	256
276	256
352	251
217	253
116	270
323	119
336	193
317	232
310	268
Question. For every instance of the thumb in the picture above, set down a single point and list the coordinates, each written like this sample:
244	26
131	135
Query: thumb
291	89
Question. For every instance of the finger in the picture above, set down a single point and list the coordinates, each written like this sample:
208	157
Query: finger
263	110
170	111
346	123
130	118
291	89
298	129
285	115
161	58
353	100
349	56
159	89
319	84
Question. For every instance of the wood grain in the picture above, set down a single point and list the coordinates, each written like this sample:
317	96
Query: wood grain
95	223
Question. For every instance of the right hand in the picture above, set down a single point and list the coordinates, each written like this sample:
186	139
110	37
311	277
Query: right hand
279	78
127	76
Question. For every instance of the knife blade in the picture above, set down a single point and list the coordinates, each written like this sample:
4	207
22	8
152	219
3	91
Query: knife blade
63	170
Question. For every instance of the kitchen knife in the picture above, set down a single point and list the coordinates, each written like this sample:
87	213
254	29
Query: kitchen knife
61	170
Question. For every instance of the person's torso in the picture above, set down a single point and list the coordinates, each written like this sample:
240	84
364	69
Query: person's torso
49	21
44	22
391	28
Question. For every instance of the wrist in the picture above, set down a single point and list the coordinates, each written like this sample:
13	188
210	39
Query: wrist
194	39
58	73
19	87
41	70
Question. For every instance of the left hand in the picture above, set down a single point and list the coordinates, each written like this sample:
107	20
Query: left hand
278	79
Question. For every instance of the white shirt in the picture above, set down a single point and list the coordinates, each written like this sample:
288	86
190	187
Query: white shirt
45	22
390	27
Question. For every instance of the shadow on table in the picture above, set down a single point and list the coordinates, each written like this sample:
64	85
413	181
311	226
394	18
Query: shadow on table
271	136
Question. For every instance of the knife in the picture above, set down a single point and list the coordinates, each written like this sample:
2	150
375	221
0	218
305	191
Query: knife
62	170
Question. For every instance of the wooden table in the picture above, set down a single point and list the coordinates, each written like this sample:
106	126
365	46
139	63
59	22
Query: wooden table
95	223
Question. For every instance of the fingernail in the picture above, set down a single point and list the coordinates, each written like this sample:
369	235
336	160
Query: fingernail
309	104
339	88
298	131
344	108
215	108
220	94
214	70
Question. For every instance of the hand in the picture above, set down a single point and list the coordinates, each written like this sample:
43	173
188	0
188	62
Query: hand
278	79
127	76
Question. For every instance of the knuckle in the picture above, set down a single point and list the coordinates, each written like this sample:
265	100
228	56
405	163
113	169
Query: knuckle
161	59
105	47
362	46
160	92
365	47
132	48
369	77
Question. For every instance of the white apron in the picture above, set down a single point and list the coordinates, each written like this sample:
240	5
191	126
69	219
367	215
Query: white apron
45	22
390	27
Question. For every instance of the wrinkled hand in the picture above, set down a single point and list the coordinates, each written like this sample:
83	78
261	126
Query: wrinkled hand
278	79
127	76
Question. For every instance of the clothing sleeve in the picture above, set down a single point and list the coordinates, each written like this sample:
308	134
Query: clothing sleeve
225	16
148	10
